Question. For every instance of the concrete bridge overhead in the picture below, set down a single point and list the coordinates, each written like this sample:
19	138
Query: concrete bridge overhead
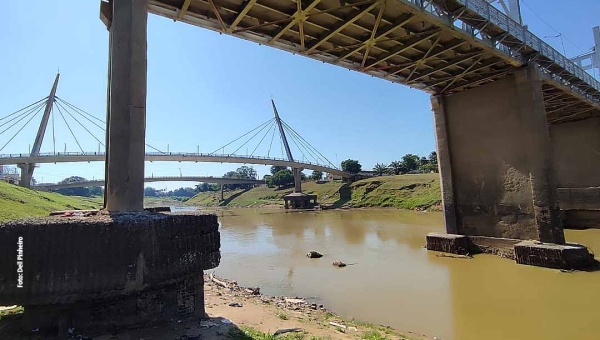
496	88
501	97
439	46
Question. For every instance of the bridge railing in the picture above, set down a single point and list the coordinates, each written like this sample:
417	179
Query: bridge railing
543	51
166	154
51	154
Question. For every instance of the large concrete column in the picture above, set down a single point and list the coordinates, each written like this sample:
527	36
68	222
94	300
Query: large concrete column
297	179
26	175
127	105
495	159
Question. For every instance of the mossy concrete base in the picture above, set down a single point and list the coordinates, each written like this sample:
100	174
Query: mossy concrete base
534	253
559	256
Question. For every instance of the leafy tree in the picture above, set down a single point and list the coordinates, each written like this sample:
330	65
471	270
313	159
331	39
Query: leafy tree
275	169
429	167
433	158
397	167
380	169
204	187
81	191
282	178
303	176
411	162
351	166
182	192
316	175
151	192
243	172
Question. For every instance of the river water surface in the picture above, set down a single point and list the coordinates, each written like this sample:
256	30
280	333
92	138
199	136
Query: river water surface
395	281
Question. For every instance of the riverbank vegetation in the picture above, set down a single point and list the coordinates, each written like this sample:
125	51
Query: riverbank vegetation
18	202
418	191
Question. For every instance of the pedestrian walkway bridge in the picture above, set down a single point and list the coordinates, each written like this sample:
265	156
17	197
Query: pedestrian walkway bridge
200	179
9	159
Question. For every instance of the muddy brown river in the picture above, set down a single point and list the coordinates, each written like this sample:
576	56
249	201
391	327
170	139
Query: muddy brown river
394	281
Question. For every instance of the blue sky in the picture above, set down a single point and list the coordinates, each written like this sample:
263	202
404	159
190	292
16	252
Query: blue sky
206	89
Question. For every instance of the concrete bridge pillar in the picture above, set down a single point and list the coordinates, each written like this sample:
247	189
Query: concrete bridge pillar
127	106
297	179
576	154
26	175
495	158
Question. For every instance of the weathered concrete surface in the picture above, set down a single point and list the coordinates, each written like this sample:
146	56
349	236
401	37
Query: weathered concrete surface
576	153
177	300
449	243
496	160
581	219
127	106
579	198
566	256
69	259
503	247
535	253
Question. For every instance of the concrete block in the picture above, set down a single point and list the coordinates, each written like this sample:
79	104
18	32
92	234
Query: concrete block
448	243
503	247
140	266
567	256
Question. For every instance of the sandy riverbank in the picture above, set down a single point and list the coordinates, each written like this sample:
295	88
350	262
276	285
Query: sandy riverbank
241	313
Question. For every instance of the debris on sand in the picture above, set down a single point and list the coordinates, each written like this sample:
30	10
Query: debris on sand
314	255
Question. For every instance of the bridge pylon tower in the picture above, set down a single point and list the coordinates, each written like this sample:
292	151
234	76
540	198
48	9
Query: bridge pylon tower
296	171
28	168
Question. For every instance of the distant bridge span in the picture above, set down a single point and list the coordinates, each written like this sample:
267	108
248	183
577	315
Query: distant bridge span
73	157
203	179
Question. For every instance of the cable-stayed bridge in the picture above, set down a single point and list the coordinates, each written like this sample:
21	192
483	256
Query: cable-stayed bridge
54	111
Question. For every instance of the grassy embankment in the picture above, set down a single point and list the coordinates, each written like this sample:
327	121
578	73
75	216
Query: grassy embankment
17	202
404	191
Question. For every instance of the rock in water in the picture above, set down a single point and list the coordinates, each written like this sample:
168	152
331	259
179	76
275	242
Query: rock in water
314	255
339	264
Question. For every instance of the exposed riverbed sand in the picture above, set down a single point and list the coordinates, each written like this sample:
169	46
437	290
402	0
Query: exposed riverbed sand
241	314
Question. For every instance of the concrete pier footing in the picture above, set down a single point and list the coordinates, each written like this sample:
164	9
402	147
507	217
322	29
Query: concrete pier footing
534	253
107	270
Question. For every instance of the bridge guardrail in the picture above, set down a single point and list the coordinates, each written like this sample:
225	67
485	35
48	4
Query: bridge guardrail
527	38
161	154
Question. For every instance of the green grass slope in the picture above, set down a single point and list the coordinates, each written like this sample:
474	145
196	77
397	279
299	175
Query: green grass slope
17	202
420	191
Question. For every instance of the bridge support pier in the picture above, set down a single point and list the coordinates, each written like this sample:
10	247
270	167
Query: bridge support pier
297	179
576	154
495	158
26	175
126	123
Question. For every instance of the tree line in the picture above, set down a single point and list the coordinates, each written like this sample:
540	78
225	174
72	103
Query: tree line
409	163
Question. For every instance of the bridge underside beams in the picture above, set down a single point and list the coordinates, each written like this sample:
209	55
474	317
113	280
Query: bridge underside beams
563	105
495	157
393	40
